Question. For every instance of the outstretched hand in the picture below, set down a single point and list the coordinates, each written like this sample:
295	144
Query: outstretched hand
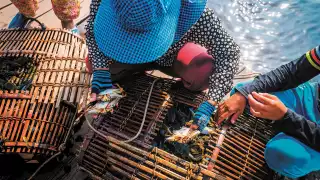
232	107
267	106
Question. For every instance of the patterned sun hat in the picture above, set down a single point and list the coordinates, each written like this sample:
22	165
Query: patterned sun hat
141	31
190	12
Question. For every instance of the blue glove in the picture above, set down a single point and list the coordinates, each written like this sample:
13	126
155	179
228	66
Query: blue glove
101	81
203	114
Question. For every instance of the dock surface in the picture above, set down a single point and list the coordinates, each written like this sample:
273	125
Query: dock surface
44	14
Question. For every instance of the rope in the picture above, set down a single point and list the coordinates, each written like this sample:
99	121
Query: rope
155	162
189	171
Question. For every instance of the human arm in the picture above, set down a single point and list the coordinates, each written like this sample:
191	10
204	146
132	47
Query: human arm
226	56
268	106
101	75
285	77
299	127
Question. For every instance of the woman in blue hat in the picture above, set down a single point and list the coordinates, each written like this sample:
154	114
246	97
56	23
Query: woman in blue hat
293	105
178	36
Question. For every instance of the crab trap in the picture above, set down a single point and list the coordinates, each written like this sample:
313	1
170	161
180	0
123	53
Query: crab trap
235	152
42	82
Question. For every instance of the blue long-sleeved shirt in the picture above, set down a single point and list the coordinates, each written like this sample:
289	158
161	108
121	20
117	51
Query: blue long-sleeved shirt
286	77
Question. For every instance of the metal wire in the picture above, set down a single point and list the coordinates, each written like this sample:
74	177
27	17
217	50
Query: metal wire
61	149
39	168
142	123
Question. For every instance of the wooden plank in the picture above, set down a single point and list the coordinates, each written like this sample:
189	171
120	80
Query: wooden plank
7	14
45	8
84	10
4	3
52	21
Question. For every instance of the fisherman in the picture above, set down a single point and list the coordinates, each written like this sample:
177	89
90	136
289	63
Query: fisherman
180	37
285	96
66	10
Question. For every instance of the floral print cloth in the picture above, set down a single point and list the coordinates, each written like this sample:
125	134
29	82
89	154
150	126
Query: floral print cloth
65	10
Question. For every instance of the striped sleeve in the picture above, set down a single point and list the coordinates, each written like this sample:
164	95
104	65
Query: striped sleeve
313	56
287	76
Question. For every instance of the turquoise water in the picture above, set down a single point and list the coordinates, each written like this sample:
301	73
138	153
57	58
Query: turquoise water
270	33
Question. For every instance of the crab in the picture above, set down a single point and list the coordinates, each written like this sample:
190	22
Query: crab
108	99
185	134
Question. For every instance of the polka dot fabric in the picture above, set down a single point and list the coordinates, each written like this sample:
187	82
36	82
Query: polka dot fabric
190	12
207	31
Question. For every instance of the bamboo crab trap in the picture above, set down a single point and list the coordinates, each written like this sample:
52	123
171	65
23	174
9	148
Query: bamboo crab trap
42	81
236	152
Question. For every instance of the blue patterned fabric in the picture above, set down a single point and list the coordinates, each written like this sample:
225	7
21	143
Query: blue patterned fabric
190	13
141	31
101	81
203	114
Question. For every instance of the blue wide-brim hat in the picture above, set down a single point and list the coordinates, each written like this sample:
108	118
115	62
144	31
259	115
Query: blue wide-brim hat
290	157
141	31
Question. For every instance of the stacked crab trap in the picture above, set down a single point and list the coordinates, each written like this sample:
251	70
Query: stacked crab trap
42	82
230	152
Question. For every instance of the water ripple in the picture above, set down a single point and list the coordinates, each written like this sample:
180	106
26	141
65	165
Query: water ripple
272	32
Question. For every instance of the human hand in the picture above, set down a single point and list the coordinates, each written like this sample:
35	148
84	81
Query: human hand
267	106
234	106
101	81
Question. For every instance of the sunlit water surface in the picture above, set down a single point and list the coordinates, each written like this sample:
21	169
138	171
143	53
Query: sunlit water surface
270	33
